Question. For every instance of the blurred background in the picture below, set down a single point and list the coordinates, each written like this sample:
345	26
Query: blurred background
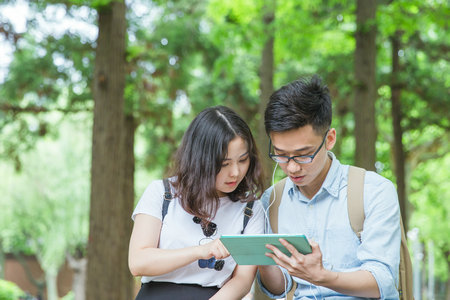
95	96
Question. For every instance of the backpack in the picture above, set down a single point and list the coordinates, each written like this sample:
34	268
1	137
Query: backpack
355	206
248	211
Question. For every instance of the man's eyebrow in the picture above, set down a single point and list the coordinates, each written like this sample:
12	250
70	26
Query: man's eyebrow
296	150
242	155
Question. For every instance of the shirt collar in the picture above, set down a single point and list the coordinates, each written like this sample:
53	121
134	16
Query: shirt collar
332	182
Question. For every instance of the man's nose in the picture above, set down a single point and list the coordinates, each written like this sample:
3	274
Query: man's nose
293	166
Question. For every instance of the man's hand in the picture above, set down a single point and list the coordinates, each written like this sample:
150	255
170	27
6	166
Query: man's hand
308	267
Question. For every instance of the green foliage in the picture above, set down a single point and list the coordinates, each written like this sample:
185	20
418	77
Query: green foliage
50	216
10	291
429	195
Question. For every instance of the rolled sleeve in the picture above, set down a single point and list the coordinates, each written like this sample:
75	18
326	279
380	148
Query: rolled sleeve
379	251
288	286
385	279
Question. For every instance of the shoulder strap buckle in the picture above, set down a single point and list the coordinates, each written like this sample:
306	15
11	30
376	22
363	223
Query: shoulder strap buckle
248	211
167	196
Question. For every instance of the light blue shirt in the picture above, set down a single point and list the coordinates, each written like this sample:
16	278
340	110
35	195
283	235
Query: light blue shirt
324	219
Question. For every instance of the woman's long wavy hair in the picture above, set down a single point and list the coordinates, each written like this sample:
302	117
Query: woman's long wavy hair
200	157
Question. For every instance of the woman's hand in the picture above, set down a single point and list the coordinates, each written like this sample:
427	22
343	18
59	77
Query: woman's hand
213	248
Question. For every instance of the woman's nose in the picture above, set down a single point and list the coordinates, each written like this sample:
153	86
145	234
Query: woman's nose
234	170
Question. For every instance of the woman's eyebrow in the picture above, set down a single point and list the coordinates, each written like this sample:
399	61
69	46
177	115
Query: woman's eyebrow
242	155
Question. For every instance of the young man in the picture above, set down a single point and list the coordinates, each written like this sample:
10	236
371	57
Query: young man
314	202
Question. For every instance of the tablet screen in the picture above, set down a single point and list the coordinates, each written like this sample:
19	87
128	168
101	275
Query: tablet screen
251	249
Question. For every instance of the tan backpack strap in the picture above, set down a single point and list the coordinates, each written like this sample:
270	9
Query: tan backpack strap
273	207
355	199
290	295
278	189
405	280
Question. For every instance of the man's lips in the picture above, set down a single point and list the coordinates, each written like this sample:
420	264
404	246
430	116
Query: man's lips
297	178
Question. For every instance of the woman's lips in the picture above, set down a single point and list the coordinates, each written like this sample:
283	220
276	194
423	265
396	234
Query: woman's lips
232	183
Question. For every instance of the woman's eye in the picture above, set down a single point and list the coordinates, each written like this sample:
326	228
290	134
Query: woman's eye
243	160
224	165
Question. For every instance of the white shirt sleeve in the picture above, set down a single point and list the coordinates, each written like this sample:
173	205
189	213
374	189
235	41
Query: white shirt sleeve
151	200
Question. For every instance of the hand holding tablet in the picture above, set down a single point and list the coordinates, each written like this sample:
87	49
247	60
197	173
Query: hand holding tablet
251	249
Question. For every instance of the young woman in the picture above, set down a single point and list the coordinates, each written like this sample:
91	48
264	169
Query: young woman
216	173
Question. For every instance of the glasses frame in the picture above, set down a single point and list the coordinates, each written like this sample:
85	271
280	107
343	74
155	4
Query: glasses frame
295	157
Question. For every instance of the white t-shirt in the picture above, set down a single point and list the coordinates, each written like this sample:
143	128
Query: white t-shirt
179	231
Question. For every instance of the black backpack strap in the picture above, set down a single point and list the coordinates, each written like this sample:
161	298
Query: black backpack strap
248	212
167	197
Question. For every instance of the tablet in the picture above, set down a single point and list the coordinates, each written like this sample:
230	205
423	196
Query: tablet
251	249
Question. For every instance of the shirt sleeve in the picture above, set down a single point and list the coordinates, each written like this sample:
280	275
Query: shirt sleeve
288	285
379	250
151	200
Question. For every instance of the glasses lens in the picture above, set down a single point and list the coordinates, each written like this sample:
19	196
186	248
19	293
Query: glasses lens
218	266
280	159
303	159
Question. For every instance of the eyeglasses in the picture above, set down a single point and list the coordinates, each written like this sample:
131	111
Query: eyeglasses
208	230
301	159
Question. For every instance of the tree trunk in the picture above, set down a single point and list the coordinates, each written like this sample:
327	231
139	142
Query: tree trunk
399	154
51	283
108	276
78	266
266	87
365	88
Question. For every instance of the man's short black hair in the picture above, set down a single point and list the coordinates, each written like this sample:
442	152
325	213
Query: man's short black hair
305	101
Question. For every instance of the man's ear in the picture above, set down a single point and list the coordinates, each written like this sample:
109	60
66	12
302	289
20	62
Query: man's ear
331	139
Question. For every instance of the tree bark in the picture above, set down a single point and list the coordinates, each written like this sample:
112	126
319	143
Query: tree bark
365	88
108	276
266	86
399	153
